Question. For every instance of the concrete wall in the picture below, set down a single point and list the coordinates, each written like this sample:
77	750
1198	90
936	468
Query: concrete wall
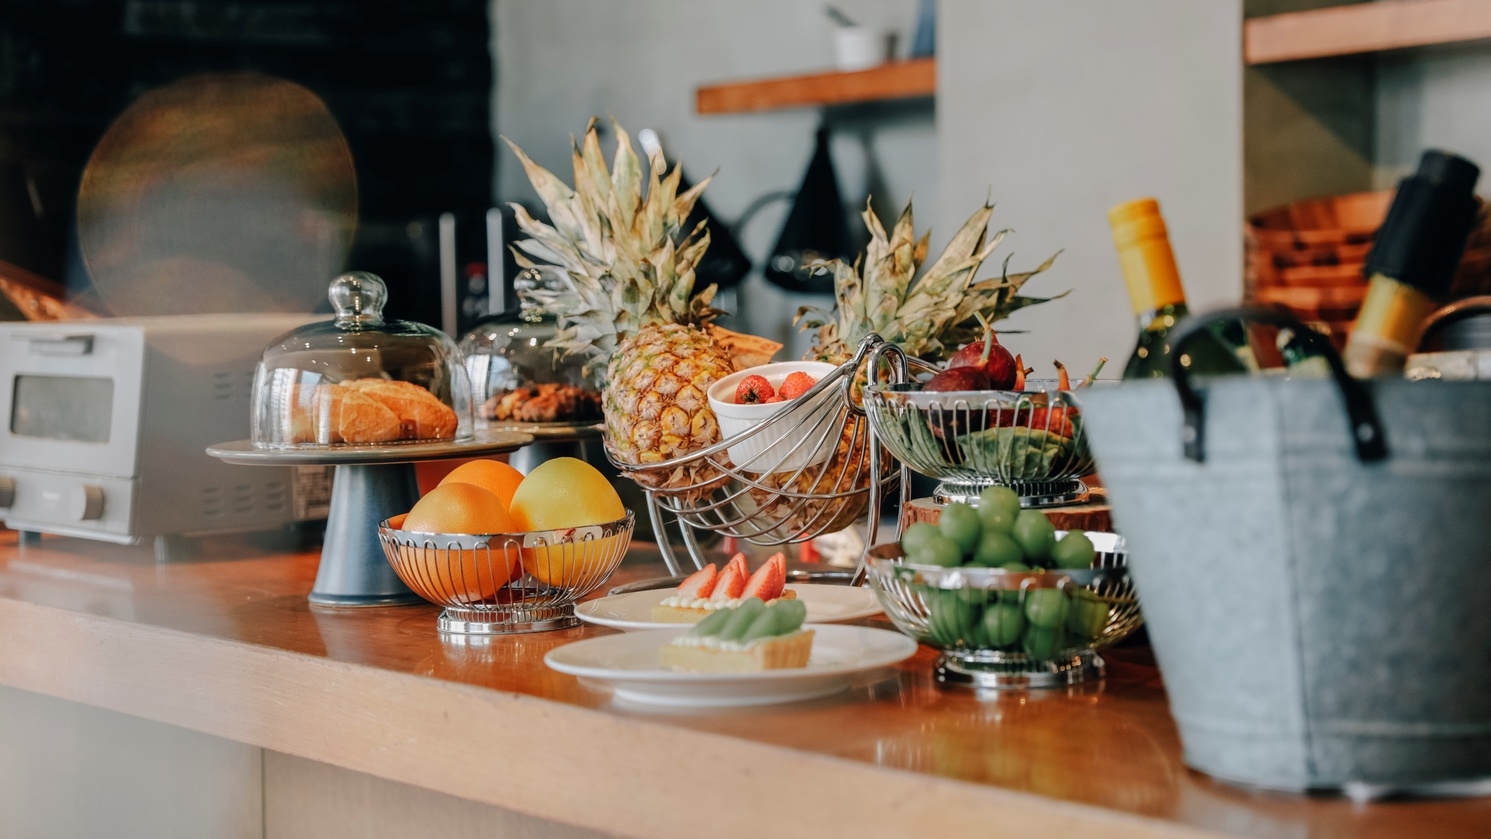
561	61
1059	109
1433	98
1064	108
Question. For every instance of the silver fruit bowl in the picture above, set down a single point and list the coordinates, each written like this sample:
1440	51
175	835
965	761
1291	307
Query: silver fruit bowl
1009	629
1031	441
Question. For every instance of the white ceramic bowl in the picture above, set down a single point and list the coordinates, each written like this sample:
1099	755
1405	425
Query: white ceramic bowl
773	450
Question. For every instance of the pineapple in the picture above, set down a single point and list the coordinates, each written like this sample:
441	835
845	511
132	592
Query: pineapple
630	301
930	318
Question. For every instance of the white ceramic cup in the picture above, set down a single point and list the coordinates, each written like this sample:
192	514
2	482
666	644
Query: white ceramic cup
773	450
858	48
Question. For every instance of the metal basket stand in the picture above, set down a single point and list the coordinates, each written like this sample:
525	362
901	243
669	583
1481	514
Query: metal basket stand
820	468
1030	441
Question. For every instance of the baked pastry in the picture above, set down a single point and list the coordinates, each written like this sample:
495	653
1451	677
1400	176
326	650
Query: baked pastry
548	402
748	638
342	415
708	590
366	411
422	415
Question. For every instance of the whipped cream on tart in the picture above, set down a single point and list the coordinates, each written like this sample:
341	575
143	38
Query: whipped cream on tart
748	638
709	590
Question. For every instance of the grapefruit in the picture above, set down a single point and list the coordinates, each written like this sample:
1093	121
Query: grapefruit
494	476
458	576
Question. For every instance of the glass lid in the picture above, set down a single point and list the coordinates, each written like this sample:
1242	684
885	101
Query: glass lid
359	379
516	376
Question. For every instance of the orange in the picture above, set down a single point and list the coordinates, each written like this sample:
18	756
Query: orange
447	575
562	493
494	476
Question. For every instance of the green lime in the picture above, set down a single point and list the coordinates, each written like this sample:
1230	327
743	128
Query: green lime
1035	535
1003	624
1074	550
997	520
938	550
1045	607
916	536
998	506
1016	567
1087	616
1042	642
995	550
959	522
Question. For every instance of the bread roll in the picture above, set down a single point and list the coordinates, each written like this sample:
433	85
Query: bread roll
421	414
343	415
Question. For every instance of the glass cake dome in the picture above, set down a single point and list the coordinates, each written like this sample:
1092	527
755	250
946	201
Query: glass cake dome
517	377
360	380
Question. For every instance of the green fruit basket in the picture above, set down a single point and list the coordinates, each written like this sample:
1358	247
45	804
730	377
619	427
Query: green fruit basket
1001	628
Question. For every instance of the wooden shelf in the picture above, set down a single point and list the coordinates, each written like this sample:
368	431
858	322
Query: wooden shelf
898	80
1364	28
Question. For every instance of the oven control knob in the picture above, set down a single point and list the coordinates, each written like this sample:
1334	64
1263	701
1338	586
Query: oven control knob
7	491
87	503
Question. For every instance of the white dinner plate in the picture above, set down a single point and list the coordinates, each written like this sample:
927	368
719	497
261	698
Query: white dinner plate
628	665
633	611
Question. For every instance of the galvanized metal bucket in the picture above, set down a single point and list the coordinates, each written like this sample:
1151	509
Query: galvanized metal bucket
1313	560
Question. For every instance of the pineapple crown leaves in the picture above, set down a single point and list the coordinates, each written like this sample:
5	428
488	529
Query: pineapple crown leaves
627	260
929	316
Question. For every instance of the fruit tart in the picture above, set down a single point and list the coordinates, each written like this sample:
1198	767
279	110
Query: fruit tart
747	638
709	590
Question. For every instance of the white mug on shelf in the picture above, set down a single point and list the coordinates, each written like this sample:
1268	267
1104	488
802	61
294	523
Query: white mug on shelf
858	48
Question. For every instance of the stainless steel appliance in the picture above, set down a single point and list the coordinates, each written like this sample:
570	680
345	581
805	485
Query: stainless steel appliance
106	423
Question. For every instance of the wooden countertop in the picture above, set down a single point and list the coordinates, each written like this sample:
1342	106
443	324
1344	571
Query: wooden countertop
229	646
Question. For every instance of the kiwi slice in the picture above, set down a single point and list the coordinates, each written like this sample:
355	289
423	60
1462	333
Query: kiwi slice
741	619
712	623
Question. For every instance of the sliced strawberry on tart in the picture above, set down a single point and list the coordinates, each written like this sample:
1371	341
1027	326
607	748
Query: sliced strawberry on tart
708	590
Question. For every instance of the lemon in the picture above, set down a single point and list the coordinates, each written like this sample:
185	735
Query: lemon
565	492
562	493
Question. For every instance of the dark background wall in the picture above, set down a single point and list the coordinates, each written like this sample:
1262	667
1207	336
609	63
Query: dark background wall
410	82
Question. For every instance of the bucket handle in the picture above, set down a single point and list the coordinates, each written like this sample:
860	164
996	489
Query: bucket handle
1361	413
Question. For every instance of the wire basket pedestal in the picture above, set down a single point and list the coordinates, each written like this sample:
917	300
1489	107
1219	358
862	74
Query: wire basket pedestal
816	467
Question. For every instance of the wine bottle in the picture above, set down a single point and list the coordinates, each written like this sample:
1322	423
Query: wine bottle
1412	262
1153	281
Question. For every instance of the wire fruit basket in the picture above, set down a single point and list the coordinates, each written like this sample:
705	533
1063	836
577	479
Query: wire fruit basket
1031	441
495	584
1011	629
789	492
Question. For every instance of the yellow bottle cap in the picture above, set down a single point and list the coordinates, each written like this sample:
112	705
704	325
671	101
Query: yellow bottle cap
1134	221
1144	254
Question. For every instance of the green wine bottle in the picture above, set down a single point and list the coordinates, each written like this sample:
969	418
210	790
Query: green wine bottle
1159	301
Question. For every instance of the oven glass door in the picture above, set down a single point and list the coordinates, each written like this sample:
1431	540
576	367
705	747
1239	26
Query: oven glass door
70	397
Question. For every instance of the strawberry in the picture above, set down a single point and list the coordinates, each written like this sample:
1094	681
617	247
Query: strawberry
796	385
768	581
753	389
730	585
732	580
701	583
772	400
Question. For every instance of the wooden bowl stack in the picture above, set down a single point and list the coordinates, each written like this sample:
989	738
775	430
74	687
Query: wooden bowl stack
1309	257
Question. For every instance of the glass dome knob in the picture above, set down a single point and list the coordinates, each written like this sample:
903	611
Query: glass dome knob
358	298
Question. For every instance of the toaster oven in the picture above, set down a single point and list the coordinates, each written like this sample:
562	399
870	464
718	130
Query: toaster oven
106	425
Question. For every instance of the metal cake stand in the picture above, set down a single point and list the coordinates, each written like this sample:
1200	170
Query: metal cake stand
371	484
